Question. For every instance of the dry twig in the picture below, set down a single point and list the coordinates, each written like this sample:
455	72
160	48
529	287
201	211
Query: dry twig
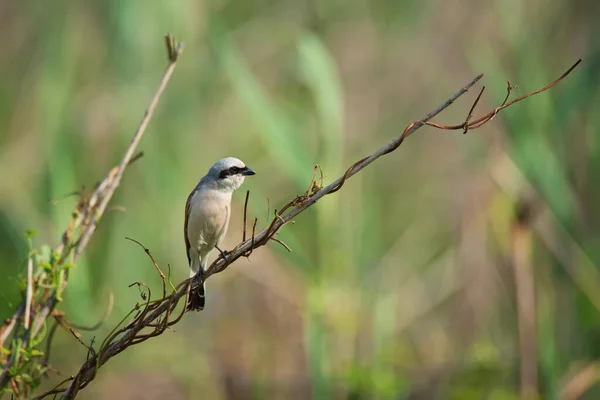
245	215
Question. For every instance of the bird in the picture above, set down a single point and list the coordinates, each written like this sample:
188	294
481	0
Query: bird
207	212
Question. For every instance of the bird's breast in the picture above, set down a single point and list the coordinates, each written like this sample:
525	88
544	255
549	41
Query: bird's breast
208	219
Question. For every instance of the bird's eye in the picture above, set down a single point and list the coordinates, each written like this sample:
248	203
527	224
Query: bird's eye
234	170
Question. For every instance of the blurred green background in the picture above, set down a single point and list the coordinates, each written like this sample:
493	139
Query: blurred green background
409	282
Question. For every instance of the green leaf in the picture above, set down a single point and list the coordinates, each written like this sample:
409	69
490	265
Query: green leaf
45	266
36	353
31	233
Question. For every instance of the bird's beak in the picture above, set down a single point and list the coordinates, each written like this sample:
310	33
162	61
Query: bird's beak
248	171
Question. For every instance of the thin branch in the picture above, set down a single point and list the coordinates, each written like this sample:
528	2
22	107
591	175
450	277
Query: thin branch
9	324
162	276
107	312
247	255
245	214
49	340
77	336
470	115
478	123
55	390
29	295
282	243
268	212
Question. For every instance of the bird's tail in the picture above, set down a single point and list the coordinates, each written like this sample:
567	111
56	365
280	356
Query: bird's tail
197	297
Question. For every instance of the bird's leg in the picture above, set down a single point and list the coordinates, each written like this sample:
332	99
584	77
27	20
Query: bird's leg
224	254
198	276
201	275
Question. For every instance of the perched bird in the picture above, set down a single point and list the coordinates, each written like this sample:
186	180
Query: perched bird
207	212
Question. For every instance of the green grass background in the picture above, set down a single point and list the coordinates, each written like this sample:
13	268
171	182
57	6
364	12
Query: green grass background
398	286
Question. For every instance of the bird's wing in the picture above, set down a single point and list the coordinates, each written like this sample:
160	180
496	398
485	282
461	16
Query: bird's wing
185	224
224	225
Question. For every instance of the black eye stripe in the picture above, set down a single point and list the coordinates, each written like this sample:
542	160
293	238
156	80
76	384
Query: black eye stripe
230	171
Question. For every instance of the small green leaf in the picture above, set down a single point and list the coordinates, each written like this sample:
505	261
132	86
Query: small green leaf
31	233
67	266
36	353
45	266
44	254
54	257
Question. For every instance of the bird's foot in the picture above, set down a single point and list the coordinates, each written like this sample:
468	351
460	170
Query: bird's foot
198	276
224	254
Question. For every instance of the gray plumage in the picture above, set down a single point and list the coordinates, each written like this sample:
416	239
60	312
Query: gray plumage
207	213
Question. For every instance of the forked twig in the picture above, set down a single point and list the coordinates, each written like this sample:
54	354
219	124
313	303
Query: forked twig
160	273
470	115
479	122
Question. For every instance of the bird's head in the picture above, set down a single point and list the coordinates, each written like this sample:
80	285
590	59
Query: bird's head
229	173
